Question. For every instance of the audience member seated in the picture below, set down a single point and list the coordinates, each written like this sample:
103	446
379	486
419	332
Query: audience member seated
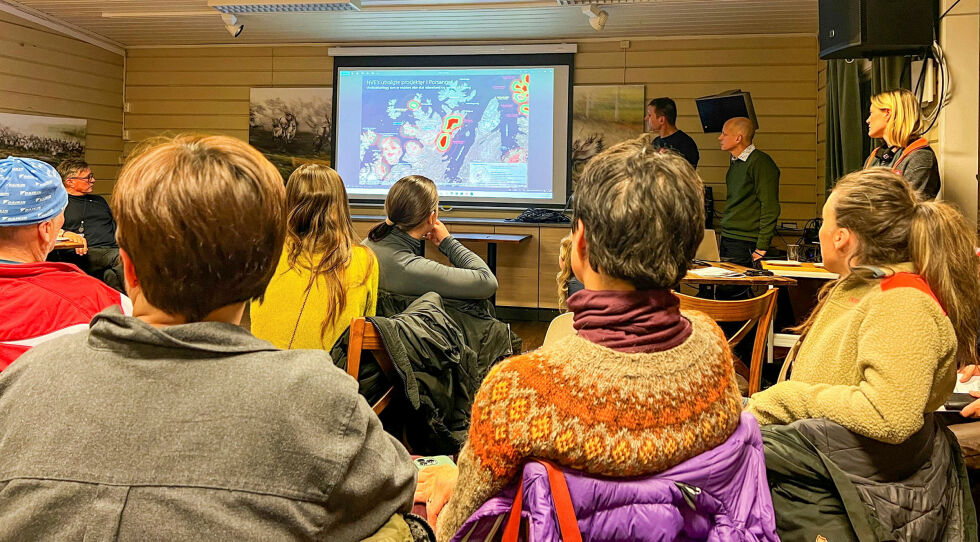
568	285
325	277
39	300
412	209
896	117
176	423
606	401
876	358
89	216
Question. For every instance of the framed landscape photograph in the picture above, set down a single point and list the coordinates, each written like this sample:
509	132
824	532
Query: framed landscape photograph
51	139
291	126
603	115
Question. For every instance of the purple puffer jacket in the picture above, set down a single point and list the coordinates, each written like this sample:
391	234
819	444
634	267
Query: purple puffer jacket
720	495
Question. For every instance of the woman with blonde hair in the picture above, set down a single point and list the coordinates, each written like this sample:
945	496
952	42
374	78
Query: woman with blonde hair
852	428
882	347
896	117
325	277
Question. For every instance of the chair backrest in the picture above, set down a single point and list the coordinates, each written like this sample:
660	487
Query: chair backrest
708	249
559	328
364	336
757	312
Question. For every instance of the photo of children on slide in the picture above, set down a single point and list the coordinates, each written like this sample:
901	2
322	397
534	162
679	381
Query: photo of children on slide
291	126
476	132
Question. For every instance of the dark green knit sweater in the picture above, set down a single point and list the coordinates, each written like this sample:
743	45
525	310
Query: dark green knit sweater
752	206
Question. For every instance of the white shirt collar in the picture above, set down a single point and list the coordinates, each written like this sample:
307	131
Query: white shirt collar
745	154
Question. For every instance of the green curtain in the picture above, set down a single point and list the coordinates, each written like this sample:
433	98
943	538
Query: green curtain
889	73
845	126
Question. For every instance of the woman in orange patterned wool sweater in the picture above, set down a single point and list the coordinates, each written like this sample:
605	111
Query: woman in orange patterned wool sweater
641	387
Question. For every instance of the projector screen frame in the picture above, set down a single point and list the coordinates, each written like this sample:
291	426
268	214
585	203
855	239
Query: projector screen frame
460	61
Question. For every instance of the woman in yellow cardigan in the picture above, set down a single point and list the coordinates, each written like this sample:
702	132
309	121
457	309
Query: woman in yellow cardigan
325	277
882	347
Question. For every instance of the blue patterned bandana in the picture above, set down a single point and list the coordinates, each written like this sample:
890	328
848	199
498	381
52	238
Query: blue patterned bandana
30	192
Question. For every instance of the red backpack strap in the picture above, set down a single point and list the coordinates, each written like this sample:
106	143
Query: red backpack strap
910	280
567	522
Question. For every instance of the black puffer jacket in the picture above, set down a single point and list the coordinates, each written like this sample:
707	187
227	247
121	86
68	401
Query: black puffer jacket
828	482
439	375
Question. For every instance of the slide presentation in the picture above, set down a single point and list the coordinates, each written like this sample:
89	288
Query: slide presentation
483	134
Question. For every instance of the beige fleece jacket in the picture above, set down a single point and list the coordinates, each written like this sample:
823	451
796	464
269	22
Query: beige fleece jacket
874	361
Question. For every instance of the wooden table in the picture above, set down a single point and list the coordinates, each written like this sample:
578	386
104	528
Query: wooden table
491	239
802	298
67	244
774	280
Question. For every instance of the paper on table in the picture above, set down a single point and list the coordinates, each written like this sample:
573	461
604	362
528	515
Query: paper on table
972	384
715	272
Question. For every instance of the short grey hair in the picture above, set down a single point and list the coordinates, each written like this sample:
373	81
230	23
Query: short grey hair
643	212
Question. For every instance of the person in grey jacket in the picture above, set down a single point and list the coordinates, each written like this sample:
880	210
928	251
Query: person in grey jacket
175	423
412	208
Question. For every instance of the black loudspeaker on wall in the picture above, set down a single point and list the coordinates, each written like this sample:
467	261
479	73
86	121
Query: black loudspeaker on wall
869	28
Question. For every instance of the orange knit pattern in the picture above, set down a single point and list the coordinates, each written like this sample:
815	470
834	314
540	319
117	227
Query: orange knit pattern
594	409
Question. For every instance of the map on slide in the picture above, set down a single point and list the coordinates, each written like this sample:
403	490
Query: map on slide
469	131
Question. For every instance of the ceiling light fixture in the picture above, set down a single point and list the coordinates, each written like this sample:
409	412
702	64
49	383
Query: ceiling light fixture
274	6
597	17
231	25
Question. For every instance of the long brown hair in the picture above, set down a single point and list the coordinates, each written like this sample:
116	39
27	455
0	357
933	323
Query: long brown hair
409	202
893	225
320	235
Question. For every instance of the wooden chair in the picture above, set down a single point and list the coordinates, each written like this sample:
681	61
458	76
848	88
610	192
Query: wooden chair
757	311
364	336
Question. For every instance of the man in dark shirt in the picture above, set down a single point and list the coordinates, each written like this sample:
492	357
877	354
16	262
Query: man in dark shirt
662	118
89	215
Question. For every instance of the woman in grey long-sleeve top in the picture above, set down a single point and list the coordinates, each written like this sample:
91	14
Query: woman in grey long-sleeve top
412	209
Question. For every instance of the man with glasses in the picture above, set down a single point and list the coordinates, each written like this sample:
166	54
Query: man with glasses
89	216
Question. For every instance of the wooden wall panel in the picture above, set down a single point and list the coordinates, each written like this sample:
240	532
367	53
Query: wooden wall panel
45	73
207	89
780	72
517	268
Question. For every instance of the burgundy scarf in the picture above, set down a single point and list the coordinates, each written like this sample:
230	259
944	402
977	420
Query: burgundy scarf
630	321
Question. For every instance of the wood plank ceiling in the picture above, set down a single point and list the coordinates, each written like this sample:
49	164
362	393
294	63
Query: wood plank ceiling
143	24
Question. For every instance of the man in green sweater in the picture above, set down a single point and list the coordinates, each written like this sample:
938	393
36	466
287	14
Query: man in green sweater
752	205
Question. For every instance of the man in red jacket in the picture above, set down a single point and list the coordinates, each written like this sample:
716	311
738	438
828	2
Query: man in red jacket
39	300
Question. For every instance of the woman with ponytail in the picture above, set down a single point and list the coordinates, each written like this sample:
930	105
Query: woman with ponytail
883	345
412	208
325	277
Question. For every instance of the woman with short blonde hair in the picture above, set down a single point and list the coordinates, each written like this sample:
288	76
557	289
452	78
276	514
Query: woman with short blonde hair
325	277
896	117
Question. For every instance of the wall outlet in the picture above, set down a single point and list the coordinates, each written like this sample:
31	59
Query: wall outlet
127	107
788	225
624	44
